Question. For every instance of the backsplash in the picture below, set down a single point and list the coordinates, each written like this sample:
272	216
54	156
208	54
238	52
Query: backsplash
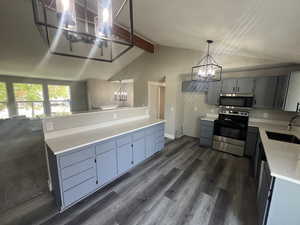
271	114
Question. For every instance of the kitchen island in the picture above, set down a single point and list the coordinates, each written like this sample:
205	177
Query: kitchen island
83	160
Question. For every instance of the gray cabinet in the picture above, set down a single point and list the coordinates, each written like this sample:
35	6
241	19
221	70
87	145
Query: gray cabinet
106	158
138	151
245	85
150	144
206	133
75	175
228	86
281	91
194	86
125	158
292	103
213	94
239	86
106	166
80	172
263	193
264	94
251	141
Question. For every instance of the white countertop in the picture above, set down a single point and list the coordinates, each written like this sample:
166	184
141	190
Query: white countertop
68	142
283	158
209	118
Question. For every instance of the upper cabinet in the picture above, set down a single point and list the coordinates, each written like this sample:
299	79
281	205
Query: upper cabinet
228	86
237	86
245	85
292	102
264	94
281	91
194	86
269	92
213	94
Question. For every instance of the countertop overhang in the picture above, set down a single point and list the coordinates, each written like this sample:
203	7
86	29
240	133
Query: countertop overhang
66	143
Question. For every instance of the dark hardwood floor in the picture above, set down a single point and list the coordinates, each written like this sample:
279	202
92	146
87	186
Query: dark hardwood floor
183	185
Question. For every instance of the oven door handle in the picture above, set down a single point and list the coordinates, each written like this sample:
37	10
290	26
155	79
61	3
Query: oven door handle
229	124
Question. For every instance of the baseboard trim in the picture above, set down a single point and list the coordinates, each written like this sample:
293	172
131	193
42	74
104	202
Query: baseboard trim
170	136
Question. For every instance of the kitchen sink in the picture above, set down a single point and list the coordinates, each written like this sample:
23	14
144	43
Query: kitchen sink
283	137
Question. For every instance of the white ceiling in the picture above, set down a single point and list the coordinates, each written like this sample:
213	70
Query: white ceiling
266	30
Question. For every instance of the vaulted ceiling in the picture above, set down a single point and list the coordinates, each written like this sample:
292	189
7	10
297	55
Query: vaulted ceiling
256	28
259	29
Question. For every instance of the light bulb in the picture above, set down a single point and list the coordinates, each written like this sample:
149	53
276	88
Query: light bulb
105	15
66	5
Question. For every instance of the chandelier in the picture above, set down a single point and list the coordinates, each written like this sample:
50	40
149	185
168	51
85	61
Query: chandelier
121	94
208	69
99	30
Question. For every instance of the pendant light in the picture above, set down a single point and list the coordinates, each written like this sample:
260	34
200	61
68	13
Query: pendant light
121	94
100	30
208	69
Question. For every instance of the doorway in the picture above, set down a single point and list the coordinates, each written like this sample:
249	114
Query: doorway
156	99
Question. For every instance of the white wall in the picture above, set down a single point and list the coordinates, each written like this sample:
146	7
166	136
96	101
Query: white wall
173	65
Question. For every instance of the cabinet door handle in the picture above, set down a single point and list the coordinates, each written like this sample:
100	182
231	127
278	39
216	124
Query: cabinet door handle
297	110
96	182
132	162
233	89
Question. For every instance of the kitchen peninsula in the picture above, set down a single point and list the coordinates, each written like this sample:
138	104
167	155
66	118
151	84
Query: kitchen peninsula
89	150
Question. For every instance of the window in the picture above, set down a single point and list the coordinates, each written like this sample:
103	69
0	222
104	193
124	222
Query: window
29	99
59	97
3	101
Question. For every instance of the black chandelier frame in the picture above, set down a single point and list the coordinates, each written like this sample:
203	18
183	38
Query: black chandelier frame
210	61
86	36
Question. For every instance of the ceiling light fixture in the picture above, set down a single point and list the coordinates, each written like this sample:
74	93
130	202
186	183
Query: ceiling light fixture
208	69
99	30
121	94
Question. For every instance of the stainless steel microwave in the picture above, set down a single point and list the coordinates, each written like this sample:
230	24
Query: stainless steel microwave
236	100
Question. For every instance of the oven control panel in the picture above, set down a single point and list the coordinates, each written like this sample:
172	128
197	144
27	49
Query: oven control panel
234	112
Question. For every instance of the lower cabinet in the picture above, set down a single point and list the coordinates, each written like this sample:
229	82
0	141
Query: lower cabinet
138	151
252	136
150	145
106	166
80	172
206	133
125	158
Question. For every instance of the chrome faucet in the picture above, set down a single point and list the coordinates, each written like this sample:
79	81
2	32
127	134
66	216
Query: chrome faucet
291	121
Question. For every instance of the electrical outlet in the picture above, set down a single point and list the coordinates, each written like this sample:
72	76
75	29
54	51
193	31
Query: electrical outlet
266	115
172	109
195	108
115	116
49	126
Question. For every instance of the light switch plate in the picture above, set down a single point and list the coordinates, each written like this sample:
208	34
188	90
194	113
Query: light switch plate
115	116
49	126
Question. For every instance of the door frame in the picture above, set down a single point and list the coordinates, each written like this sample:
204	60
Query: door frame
159	85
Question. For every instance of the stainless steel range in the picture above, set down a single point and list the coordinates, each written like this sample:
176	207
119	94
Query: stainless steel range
230	131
